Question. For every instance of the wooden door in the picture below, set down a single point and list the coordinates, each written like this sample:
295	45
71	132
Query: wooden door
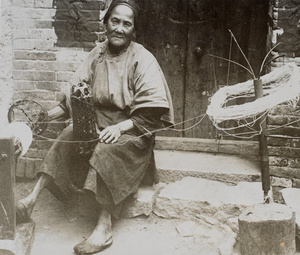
182	33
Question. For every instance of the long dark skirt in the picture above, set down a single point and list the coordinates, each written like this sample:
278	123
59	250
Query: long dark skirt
111	175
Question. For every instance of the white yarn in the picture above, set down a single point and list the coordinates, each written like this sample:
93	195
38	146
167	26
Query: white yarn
19	131
279	86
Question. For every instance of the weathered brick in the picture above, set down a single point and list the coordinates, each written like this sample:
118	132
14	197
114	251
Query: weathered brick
24	85
33	13
74	55
24	44
278	161
284	152
23	3
37	95
281	110
45	44
27	23
43	3
30	168
62	77
281	182
38	163
285	172
34	75
53	86
42	144
24	65
278	119
21	167
296	183
34	55
41	33
49	104
294	162
285	131
284	142
288	3
67	66
36	153
20	33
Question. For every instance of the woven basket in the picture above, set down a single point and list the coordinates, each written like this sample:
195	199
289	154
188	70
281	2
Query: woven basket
84	122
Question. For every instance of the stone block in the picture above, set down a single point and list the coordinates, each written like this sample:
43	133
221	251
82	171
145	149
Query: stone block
37	95
284	152
267	229
296	183
43	3
21	245
30	171
285	172
39	33
288	3
24	85
20	34
272	141
35	75
281	182
33	13
193	196
48	85
278	161
64	76
281	110
21	167
291	198
278	119
47	45
28	55
294	162
142	201
23	3
24	44
36	153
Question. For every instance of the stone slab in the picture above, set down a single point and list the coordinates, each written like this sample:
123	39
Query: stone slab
175	165
267	229
291	197
142	202
190	197
22	243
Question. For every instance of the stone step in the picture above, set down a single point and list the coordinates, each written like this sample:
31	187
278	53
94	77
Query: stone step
192	197
174	165
291	197
196	199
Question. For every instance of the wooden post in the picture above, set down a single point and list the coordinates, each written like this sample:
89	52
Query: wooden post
7	185
263	144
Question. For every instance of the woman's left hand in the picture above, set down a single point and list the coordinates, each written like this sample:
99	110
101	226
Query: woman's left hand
110	134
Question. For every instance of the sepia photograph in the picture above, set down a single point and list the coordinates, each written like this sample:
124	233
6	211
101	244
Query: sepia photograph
150	127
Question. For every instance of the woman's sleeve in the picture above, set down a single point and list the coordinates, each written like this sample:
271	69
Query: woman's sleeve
147	120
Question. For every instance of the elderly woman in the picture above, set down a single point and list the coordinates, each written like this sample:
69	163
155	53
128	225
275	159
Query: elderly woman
131	99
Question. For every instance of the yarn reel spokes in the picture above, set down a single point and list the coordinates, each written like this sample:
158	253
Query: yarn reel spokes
31	113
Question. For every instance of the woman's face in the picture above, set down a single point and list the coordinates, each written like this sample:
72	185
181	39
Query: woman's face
120	27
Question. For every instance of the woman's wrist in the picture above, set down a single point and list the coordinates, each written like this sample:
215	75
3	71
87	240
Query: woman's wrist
125	125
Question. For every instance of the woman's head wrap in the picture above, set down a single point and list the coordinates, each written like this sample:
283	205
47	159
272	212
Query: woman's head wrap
129	3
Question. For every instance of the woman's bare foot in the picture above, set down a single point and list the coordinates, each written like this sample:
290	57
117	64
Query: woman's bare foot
24	207
100	238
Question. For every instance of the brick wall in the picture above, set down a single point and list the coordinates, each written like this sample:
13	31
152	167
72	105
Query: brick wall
284	145
41	68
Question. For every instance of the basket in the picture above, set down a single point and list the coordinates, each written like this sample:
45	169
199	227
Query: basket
84	121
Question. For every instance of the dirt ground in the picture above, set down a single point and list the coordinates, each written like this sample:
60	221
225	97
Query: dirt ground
60	227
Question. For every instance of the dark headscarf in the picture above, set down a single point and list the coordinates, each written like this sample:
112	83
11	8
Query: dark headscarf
129	3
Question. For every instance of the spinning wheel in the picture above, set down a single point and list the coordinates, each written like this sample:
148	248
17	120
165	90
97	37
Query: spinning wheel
31	113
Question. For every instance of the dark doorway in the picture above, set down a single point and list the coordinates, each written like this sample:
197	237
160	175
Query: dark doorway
181	33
